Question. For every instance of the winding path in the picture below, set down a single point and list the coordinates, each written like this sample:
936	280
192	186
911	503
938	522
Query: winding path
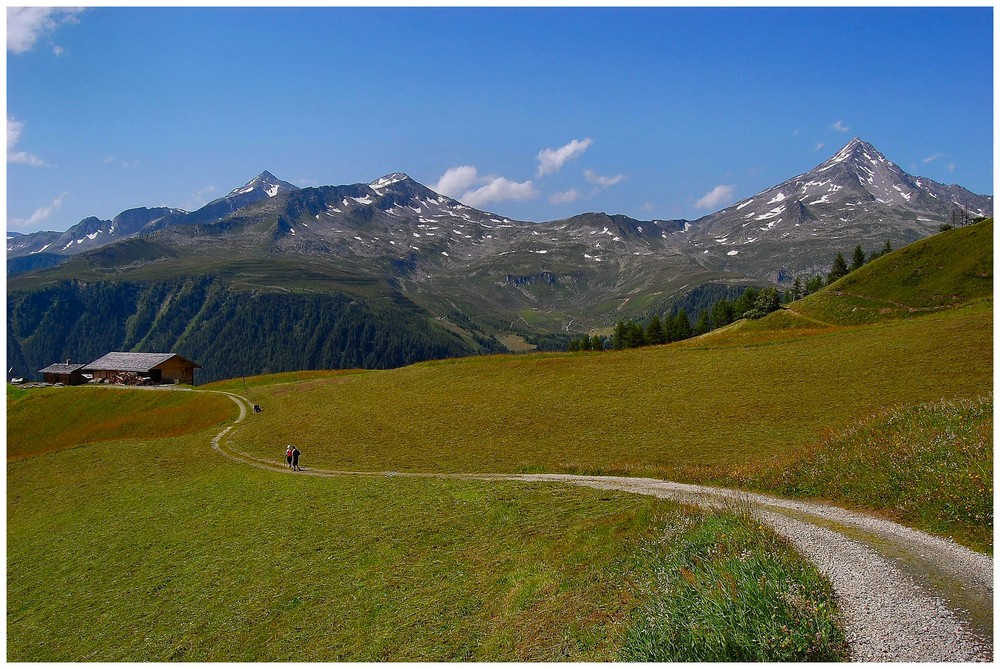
905	596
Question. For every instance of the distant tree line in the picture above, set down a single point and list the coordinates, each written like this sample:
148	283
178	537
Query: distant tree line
840	268
753	303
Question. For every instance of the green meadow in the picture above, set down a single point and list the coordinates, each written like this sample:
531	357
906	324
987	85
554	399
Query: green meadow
672	411
41	420
156	548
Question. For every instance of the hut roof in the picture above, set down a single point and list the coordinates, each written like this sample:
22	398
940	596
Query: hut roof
133	362
62	368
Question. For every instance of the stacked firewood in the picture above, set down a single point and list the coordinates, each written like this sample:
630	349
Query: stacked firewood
129	379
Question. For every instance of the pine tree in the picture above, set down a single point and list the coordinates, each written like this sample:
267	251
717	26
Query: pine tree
654	331
814	284
838	270
722	313
634	335
744	303
618	335
702	326
682	326
798	290
858	259
767	301
597	343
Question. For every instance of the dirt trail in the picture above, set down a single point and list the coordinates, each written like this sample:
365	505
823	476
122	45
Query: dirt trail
905	595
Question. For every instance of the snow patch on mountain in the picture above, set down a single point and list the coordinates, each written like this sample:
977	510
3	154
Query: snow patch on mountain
388	180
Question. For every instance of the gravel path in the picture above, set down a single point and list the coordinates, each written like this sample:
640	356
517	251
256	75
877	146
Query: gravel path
905	596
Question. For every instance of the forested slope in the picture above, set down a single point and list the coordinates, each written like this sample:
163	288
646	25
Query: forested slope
229	332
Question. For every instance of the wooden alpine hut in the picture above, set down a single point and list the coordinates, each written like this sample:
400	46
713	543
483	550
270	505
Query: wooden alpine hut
67	372
156	367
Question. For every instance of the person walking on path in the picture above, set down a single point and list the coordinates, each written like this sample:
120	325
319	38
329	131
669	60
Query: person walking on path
295	459
288	455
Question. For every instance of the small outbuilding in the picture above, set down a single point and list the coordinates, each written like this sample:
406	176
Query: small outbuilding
156	367
68	373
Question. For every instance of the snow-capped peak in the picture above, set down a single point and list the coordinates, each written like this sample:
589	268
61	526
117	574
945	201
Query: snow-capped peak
388	180
848	150
857	152
266	182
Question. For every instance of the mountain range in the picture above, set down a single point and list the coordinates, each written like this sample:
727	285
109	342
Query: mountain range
857	196
485	278
92	232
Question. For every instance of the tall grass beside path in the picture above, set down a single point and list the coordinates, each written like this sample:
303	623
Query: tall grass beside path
727	591
929	466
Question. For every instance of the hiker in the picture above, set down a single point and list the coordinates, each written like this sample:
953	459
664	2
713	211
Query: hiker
288	455
295	459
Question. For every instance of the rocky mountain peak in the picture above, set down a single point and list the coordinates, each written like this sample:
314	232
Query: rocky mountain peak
388	180
858	155
265	182
857	195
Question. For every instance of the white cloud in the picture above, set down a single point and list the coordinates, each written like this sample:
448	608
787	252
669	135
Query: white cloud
14	128
951	167
39	214
456	180
25	25
718	195
819	145
564	197
466	185
498	189
552	160
25	158
840	127
930	159
598	180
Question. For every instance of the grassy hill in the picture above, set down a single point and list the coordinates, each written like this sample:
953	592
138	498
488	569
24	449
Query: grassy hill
42	421
929	466
932	274
140	547
660	411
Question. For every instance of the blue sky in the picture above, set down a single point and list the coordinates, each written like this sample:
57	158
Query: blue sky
533	113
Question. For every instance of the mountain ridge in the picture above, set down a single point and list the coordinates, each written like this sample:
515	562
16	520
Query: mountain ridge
832	187
857	195
581	271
